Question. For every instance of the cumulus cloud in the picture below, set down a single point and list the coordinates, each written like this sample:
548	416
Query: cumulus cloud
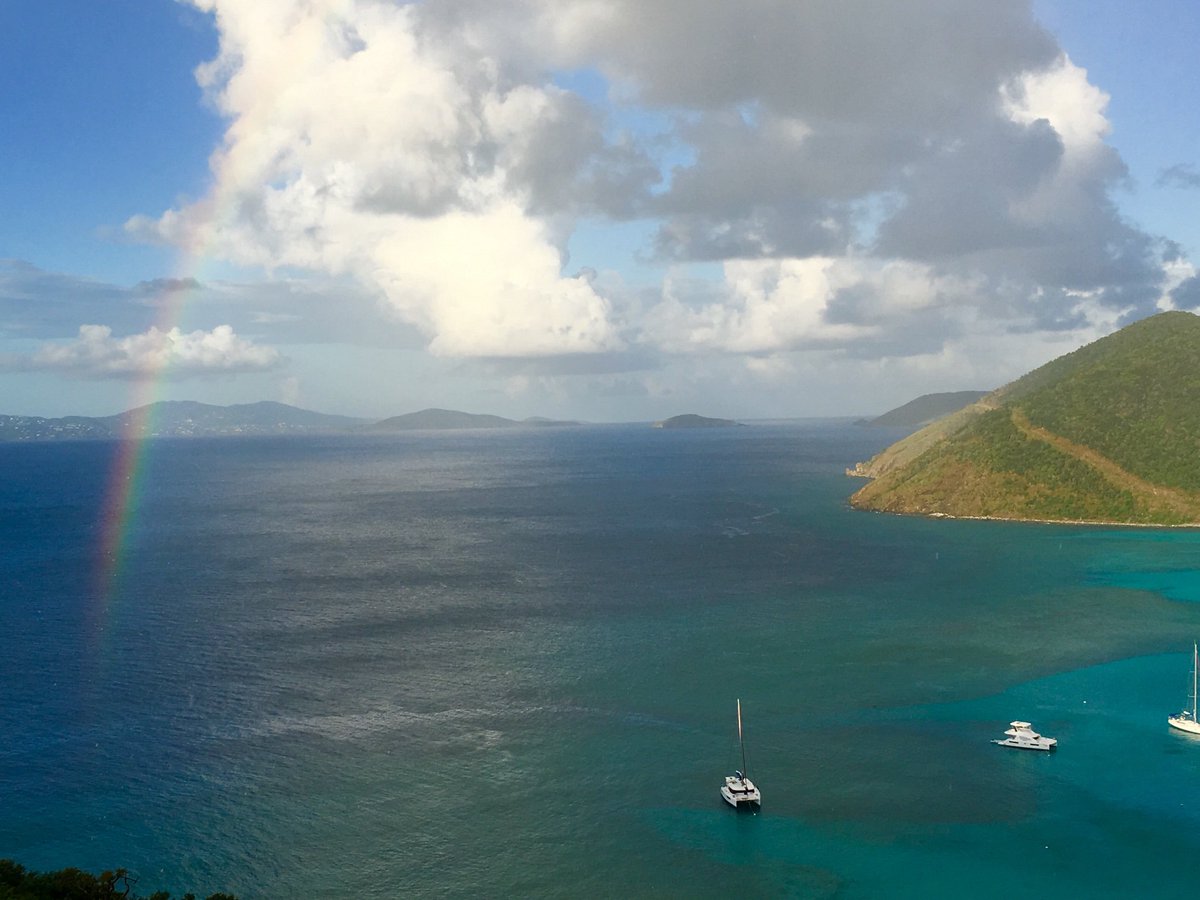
877	180
507	299
95	353
358	144
775	306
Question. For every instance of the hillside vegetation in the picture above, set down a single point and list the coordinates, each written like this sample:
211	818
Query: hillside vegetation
1108	433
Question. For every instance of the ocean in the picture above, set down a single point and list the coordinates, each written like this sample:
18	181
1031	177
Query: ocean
505	664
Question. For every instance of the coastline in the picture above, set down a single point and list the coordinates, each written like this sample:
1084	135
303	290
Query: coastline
1088	522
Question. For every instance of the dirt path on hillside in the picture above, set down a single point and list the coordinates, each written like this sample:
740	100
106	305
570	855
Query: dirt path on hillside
1178	501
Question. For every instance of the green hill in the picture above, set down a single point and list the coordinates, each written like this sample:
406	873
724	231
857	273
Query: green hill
1108	433
926	408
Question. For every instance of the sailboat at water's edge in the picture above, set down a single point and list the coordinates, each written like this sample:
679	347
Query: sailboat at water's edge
738	790
1186	720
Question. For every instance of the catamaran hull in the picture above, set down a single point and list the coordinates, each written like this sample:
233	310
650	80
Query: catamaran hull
740	793
740	802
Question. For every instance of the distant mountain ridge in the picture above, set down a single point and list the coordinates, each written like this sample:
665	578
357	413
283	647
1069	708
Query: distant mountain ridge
177	418
1109	433
691	420
926	408
449	419
188	418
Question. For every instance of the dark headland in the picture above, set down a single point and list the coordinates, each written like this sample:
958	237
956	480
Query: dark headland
925	409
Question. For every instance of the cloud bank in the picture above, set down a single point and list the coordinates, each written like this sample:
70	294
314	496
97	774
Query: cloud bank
95	353
880	181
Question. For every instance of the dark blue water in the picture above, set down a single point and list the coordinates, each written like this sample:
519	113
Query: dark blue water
505	664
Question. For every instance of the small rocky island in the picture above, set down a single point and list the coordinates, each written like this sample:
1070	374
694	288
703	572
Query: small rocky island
690	420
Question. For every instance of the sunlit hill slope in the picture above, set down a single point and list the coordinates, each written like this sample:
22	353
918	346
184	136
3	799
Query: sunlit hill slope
1108	433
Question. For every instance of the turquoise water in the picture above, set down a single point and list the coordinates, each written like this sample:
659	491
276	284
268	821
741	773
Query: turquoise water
505	665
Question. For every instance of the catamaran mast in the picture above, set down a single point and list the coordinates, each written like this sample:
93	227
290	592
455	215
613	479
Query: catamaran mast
742	743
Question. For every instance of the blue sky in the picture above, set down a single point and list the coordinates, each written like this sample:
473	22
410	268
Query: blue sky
105	119
608	211
1143	56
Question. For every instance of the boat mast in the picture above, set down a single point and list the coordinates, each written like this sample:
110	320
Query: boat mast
741	742
1195	663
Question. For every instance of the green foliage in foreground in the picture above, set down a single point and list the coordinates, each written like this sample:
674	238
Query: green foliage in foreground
19	883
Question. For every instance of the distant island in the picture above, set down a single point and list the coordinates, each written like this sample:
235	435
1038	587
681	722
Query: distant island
1106	434
925	409
186	418
178	418
448	419
690	420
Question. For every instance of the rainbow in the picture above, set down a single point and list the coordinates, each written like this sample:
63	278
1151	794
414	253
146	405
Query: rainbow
118	512
199	226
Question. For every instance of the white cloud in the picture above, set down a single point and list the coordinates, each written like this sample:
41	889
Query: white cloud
358	144
1076	110
1063	96
767	306
96	353
773	306
506	298
878	181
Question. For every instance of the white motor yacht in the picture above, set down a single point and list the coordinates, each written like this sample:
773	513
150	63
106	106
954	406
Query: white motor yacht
1022	736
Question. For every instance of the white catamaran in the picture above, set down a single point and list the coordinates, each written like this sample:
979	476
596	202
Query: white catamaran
738	790
1186	720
